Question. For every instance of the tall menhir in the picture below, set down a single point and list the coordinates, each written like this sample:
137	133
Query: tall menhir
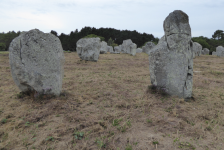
171	61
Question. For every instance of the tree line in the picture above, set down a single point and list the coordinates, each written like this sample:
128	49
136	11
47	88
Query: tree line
69	41
115	36
216	40
6	38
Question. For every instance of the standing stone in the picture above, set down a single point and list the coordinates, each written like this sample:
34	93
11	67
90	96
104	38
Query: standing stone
214	53
36	61
117	50
88	48
128	47
171	61
133	47
138	50
197	48
148	46
110	49
220	51
103	48
205	51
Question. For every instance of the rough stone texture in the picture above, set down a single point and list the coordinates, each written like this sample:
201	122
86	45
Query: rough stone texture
117	50
138	50
103	48
133	47
36	61
88	48
171	61
197	48
205	51
148	46
220	51
110	49
128	47
214	53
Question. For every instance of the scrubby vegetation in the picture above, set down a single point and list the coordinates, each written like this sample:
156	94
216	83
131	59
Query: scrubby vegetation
94	36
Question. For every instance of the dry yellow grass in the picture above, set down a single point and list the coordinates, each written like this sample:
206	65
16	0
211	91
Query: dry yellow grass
107	105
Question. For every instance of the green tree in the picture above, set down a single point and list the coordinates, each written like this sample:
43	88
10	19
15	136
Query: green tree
201	40
218	34
110	42
2	46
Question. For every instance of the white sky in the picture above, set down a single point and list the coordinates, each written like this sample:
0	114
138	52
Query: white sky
64	16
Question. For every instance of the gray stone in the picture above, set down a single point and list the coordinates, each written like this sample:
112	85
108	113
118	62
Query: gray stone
117	49
220	51
205	51
133	47
171	61
128	47
36	61
148	46
103	48
138	50
214	53
197	48
110	49
88	48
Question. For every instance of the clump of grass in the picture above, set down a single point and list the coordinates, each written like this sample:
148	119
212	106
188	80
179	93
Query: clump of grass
50	138
128	147
149	120
116	122
78	135
100	143
155	142
4	120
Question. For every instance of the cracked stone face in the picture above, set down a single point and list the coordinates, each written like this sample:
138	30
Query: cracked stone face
197	49
103	48
171	60
220	51
128	47
88	48
148	46
205	51
36	61
110	49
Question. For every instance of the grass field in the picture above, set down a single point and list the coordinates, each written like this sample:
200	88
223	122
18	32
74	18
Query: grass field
108	105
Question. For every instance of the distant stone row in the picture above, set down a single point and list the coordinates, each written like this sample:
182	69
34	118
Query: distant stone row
90	48
37	58
219	51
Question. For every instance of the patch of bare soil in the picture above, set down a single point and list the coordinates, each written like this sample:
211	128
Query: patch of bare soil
109	105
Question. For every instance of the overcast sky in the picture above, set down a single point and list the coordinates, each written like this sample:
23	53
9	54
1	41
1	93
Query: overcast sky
64	16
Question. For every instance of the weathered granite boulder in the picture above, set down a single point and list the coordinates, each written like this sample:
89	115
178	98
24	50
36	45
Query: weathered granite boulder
148	46
36	61
133	47
220	51
110	49
214	53
103	48
128	47
117	50
88	48
138	50
205	51
197	48
171	61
